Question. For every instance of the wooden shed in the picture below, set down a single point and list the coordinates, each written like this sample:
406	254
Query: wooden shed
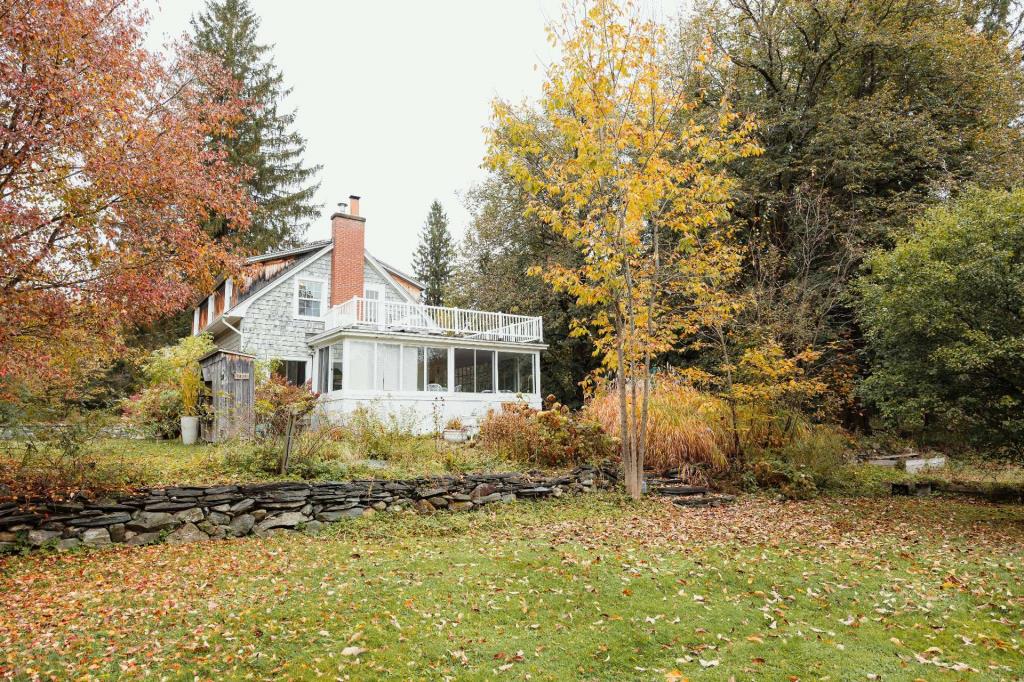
230	380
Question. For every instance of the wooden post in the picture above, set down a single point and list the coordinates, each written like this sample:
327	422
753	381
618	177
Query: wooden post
287	444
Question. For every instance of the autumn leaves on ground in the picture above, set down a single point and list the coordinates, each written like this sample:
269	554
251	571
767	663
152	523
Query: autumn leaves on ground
593	588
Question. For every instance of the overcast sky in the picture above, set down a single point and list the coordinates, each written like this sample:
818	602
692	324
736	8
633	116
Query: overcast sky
392	96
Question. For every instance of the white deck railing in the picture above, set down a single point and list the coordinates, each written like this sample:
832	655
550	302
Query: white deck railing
397	316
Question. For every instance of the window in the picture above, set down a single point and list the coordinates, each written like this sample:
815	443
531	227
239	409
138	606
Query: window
388	358
515	373
485	371
413	368
360	366
373	295
309	298
473	370
464	373
437	369
294	371
323	361
336	366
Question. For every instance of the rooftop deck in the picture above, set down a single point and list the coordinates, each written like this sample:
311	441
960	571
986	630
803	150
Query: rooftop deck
395	316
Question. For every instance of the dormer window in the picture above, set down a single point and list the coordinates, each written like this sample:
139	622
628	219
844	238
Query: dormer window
309	298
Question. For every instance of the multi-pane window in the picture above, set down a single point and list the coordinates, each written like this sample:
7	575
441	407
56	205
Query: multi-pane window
336	366
323	361
388	367
391	367
413	368
310	298
437	369
474	370
293	371
360	366
515	373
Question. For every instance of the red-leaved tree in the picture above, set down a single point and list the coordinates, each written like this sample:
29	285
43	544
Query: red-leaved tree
105	180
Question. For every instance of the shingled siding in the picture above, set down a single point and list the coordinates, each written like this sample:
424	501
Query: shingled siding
190	514
269	328
373	277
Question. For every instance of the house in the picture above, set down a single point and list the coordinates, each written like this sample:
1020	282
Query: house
355	330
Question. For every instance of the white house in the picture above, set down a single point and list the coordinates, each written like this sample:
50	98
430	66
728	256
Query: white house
354	329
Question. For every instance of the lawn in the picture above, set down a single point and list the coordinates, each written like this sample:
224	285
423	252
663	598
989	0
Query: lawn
589	588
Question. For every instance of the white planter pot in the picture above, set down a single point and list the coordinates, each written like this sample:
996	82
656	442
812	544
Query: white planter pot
455	435
189	430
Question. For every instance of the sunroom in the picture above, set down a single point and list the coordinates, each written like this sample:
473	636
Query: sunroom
431	363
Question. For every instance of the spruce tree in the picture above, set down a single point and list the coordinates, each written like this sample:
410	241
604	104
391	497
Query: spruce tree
281	186
434	260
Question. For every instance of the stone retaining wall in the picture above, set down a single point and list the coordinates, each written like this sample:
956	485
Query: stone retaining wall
189	514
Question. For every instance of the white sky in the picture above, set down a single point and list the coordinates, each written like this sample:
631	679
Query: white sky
392	97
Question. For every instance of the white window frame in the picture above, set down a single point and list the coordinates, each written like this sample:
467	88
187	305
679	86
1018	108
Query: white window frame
323	298
426	343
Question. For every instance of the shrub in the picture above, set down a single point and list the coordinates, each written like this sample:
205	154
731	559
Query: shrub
173	387
690	432
380	433
551	437
316	453
60	460
156	411
276	402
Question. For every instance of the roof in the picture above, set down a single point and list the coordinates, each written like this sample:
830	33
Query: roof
395	271
294	251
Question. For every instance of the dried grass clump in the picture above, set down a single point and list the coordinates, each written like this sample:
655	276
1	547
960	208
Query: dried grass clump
685	427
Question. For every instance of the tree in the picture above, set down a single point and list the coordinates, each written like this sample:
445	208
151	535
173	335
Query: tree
942	313
434	260
105	184
615	164
869	111
263	139
502	247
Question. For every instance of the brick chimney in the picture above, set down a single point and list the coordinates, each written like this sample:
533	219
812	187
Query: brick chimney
348	231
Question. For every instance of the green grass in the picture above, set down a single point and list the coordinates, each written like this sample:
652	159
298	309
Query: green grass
590	588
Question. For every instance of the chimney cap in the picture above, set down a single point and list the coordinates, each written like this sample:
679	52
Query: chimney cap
354	196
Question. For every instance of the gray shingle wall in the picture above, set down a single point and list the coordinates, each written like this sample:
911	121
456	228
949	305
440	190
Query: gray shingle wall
270	329
372	276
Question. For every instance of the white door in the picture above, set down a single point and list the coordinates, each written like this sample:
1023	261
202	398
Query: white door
374	296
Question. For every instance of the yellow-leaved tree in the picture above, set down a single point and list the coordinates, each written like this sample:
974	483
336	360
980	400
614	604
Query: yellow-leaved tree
616	159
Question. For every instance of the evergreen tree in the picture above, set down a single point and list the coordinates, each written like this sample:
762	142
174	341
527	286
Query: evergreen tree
281	186
434	260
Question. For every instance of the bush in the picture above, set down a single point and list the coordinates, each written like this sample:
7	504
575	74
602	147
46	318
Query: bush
173	387
551	437
156	411
380	433
60	460
690	432
315	454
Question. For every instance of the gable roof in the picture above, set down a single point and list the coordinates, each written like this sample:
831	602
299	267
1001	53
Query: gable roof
395	271
294	251
306	255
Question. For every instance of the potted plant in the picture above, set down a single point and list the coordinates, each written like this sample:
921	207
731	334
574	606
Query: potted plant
454	431
190	383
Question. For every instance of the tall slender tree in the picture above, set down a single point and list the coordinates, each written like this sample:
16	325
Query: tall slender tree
434	261
263	140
